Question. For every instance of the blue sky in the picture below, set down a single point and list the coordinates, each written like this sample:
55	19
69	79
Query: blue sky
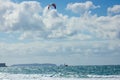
78	32
62	5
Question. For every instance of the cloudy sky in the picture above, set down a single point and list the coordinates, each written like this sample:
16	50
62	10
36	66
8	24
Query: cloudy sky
78	32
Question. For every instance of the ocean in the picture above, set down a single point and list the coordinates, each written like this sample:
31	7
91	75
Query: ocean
104	72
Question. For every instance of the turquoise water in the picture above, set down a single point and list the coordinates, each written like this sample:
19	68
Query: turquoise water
65	71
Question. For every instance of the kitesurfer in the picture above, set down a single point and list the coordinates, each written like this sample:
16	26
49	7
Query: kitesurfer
52	5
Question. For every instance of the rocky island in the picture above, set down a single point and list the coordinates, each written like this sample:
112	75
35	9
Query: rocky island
3	65
35	64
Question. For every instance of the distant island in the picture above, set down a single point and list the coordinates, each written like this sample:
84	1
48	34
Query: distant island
3	65
35	64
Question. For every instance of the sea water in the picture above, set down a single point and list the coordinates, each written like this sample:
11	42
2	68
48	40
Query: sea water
105	72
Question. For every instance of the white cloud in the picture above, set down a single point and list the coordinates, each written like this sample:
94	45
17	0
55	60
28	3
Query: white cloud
20	17
28	20
62	49
29	35
52	19
81	8
114	10
34	22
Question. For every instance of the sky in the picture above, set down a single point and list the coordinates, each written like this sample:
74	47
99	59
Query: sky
77	32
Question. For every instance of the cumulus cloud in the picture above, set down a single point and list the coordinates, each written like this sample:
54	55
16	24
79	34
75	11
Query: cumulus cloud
20	17
54	36
32	21
81	8
114	10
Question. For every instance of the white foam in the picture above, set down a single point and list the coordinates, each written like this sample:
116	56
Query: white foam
103	76
7	76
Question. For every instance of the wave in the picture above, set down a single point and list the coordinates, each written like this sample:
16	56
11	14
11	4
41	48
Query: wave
103	76
9	76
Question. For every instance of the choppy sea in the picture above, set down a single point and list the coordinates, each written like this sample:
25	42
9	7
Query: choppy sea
105	72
